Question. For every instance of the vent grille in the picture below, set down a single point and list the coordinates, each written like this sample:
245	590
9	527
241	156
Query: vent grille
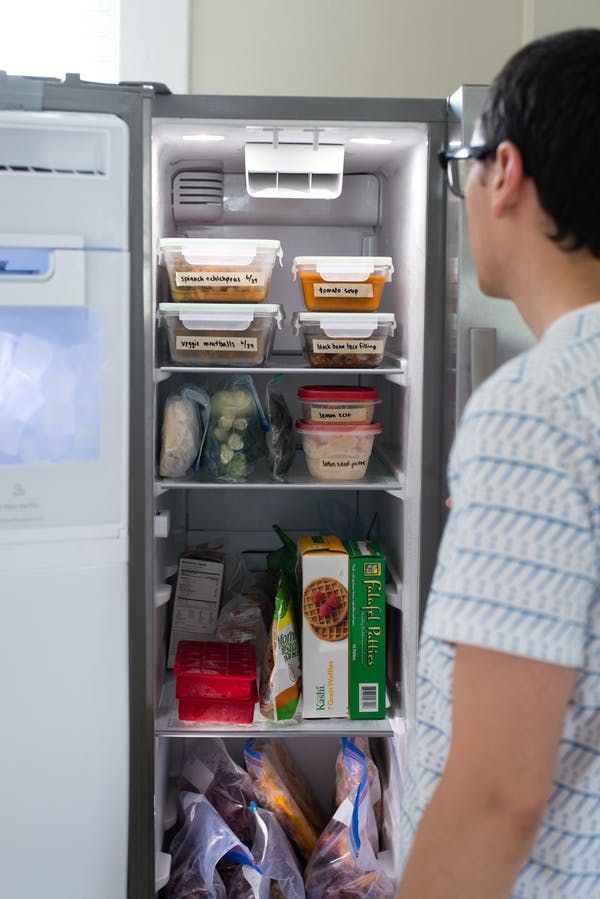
41	170
197	197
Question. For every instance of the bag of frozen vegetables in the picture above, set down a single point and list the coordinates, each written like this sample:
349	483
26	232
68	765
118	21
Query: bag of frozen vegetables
236	431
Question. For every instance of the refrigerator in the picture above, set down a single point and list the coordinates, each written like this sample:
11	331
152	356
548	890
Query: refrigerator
91	178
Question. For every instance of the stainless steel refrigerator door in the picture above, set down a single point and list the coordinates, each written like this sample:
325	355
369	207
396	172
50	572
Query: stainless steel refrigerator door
482	333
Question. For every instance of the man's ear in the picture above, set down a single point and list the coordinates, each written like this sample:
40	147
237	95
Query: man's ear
507	178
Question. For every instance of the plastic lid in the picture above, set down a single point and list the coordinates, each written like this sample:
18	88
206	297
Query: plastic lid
345	428
202	250
346	324
219	308
343	268
221	316
340	318
321	392
210	242
211	659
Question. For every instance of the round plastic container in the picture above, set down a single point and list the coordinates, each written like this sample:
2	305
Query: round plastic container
342	283
215	270
344	339
215	335
337	452
338	405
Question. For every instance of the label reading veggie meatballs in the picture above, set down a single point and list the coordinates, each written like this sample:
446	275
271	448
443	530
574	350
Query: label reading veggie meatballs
217	344
343	290
364	347
219	279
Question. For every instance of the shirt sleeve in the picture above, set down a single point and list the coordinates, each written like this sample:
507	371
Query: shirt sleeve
517	568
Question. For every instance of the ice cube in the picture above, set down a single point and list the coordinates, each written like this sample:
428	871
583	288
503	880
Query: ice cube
11	432
32	355
22	397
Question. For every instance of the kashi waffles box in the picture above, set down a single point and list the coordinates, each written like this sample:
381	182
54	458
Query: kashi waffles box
325	606
367	646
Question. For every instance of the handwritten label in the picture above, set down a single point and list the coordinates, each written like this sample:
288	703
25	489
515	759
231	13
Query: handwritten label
350	464
217	344
343	413
364	347
343	290
219	279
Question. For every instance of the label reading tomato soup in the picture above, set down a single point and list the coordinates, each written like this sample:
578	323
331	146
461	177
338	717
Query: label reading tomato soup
217	344
219	279
343	290
363	347
342	413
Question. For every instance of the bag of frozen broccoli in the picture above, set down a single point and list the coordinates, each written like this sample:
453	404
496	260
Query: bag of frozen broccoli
236	432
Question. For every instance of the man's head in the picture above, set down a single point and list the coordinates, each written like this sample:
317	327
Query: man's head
541	120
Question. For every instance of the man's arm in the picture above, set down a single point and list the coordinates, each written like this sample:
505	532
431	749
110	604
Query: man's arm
477	832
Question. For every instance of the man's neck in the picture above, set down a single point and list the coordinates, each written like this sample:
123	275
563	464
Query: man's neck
547	285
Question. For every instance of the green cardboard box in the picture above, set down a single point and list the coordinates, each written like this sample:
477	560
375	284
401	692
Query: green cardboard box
366	650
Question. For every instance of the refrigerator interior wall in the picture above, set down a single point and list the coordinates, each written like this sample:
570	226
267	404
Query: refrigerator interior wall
392	182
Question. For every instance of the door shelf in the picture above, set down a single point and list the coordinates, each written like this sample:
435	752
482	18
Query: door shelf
169	725
379	476
393	368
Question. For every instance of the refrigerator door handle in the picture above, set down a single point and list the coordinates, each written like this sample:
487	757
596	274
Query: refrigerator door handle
482	343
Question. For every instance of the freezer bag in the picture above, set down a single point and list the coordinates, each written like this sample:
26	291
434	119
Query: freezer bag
344	863
184	426
280	788
236	432
281	437
348	773
210	770
275	857
203	842
242	620
280	679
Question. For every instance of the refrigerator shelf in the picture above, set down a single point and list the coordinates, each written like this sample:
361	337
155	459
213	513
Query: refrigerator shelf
394	367
169	725
379	476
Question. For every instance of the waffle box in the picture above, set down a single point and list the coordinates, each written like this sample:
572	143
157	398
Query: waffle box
367	645
325	605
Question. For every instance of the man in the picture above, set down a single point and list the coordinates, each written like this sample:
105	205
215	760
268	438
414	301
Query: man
502	795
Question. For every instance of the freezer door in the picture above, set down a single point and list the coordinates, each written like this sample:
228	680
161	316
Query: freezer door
482	332
74	346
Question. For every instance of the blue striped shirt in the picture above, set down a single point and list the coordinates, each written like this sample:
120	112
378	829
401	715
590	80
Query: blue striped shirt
519	572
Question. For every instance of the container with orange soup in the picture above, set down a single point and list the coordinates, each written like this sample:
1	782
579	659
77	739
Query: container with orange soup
342	283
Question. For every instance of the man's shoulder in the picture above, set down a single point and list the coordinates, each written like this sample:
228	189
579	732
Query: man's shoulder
528	382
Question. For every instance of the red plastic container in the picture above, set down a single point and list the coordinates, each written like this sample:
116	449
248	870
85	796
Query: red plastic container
215	671
219	711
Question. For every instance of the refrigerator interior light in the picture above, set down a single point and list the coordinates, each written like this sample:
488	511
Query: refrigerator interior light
370	140
204	138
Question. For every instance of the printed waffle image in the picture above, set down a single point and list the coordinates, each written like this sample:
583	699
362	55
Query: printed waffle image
326	609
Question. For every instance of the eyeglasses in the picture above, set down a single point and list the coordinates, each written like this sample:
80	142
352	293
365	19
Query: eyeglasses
456	165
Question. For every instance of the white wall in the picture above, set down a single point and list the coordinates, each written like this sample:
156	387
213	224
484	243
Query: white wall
385	48
382	48
545	16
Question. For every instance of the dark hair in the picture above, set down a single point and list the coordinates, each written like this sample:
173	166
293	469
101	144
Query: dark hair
546	100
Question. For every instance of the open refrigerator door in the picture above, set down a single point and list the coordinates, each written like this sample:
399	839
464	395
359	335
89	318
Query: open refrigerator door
371	211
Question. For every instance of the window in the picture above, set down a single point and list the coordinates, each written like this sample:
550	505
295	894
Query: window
50	39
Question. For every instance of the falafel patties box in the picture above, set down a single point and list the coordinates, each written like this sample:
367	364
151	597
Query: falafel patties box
325	605
367	661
